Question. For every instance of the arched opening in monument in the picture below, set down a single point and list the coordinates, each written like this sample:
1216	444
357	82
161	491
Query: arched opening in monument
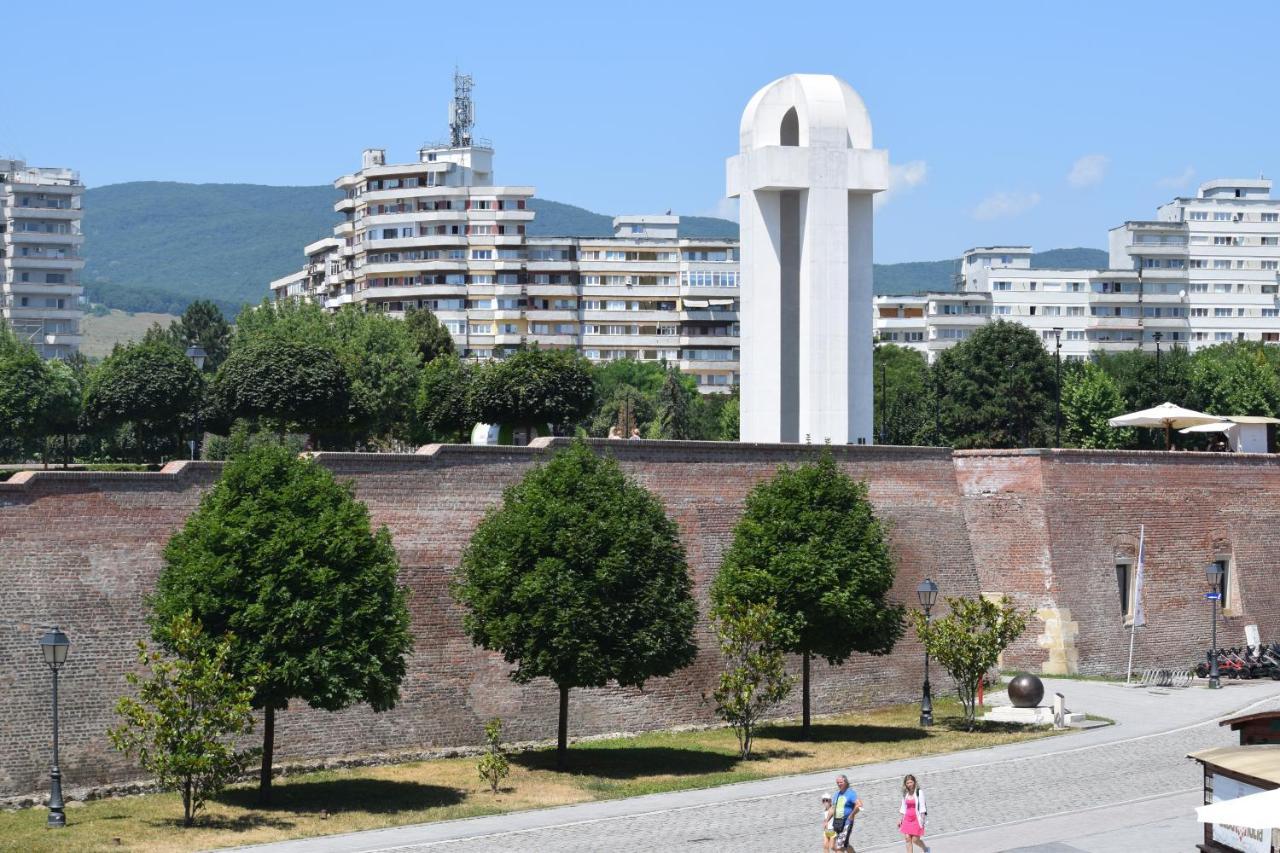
789	133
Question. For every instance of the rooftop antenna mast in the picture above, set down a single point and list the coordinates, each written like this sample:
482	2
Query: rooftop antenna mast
462	116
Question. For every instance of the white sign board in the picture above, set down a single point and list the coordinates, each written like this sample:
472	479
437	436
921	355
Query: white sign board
1251	636
1241	838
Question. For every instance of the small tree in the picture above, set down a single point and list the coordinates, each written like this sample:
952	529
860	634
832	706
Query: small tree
441	411
579	577
282	554
533	387
285	381
968	641
188	713
1090	397
810	541
202	323
152	386
429	335
676	403
493	764
751	638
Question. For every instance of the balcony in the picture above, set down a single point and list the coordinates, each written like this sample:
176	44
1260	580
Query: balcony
62	214
551	315
553	340
1114	323
959	320
698	341
534	289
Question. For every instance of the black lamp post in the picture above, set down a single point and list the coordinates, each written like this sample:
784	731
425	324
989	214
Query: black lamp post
1057	386
927	592
54	646
1213	572
196	353
1157	336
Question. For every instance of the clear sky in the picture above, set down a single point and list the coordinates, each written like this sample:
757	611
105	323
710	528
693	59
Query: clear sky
1040	123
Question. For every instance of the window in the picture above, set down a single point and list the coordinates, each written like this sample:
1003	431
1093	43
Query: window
1001	310
1222	265
1001	285
1271	217
1222	312
1269	265
1125	579
1268	288
1271	312
1199	312
482	254
1221	336
1199	215
1198	263
1224	585
1224	241
1221	216
1075	335
1075	310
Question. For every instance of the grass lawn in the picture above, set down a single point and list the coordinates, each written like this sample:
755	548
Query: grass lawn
366	798
102	333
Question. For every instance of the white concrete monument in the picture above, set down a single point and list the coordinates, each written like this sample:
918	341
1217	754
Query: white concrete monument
805	174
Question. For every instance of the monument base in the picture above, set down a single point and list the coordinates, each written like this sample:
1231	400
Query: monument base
1039	716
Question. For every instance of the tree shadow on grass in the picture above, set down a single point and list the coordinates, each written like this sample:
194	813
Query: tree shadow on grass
378	796
836	733
629	763
241	823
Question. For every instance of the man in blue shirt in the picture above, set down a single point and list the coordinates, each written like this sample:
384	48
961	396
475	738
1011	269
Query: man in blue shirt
846	805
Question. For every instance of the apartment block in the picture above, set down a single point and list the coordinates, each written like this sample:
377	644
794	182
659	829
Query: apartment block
40	258
1203	272
439	234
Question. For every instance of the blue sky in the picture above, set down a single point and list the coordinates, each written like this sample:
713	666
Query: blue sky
1019	122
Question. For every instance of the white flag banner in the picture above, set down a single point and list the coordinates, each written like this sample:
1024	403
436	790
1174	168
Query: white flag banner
1139	617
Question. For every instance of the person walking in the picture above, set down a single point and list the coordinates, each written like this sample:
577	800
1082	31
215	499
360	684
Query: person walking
845	805
828	815
913	811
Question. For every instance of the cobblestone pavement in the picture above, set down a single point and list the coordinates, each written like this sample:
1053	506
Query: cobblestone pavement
968	792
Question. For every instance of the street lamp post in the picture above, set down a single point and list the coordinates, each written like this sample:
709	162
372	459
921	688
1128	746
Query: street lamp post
1057	386
196	353
1213	572
1157	336
927	592
54	646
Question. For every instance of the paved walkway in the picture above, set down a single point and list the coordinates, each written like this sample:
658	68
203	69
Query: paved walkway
1113	788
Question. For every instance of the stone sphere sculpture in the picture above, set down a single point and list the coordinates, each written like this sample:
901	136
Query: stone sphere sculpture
1026	690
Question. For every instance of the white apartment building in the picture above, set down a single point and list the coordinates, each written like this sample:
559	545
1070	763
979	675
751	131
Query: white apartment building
439	234
40	259
1203	272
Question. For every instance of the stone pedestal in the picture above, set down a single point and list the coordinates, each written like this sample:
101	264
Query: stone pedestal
1041	715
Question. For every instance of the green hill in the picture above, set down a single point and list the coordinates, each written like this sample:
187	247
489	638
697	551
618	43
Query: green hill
156	246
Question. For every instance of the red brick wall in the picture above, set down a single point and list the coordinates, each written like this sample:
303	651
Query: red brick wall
1047	526
84	549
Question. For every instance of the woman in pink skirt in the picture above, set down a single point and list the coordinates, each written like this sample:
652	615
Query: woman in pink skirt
913	811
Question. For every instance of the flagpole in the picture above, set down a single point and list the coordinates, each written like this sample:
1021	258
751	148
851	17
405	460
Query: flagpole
1137	604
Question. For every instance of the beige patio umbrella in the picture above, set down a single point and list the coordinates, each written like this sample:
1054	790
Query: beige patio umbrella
1165	416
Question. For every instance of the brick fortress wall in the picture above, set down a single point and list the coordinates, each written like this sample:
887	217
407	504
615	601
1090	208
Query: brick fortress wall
84	549
1045	526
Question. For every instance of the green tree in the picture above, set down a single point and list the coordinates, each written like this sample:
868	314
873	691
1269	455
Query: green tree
1235	379
1145	381
493	765
441	411
755	679
184	724
997	389
809	540
730	418
1090	397
381	357
677	409
629	408
579	577
968	641
903	395
287	382
63	403
203	324
24	392
150	386
429	335
282	555
533	387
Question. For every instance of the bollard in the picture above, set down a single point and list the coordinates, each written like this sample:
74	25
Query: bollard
1059	711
